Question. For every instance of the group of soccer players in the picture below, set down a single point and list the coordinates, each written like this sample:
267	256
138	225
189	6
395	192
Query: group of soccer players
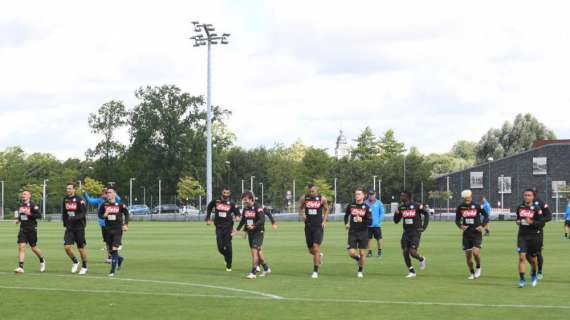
113	219
363	218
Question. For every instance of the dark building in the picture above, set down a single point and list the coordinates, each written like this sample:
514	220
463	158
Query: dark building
546	167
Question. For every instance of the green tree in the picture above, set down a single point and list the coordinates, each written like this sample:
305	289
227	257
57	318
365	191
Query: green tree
366	145
189	188
110	117
512	138
464	149
389	146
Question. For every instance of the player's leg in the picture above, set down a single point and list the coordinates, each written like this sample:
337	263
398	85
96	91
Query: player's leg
228	252
477	257
469	260
81	243
21	257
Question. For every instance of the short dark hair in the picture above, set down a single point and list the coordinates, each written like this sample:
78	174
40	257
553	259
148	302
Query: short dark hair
407	193
71	184
359	189
226	189
248	195
310	185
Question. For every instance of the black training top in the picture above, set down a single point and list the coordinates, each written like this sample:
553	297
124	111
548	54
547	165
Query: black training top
412	213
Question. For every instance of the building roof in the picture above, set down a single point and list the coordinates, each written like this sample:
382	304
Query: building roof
539	143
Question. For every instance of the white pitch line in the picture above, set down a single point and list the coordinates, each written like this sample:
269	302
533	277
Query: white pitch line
351	301
189	284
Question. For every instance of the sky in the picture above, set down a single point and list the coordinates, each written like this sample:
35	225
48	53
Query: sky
434	71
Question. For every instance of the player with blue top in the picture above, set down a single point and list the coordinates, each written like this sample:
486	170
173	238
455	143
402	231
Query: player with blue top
375	228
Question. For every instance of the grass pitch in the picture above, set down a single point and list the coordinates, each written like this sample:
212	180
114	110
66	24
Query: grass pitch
173	271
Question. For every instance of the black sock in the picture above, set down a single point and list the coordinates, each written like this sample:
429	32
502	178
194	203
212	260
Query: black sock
21	264
315	268
411	269
42	260
521	275
379	251
421	259
478	266
540	262
74	259
84	264
115	260
534	273
370	252
357	258
565	235
360	268
471	270
265	266
254	270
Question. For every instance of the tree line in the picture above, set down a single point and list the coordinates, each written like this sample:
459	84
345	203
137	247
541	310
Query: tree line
167	142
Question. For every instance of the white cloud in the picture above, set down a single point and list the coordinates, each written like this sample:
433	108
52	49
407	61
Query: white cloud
435	71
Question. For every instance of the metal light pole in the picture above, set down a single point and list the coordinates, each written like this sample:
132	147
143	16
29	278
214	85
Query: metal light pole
251	183
490	159
144	195
379	188
242	186
502	192
404	172
262	199
294	195
44	198
447	194
80	185
159	196
208	38
2	217
374	183
335	179
228	165
131	191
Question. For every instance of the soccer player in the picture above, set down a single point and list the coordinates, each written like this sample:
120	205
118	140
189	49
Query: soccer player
411	213
375	227
567	220
74	220
547	214
314	210
357	218
98	202
530	220
253	218
28	213
487	207
116	218
225	212
471	218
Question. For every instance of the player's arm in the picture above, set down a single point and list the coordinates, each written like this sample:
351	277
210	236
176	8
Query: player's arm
539	220
209	210
91	201
546	213
367	219
382	211
240	225
486	217
397	216
347	216
35	212
101	214
235	211
269	215
302	207
458	219
425	220
126	217
326	210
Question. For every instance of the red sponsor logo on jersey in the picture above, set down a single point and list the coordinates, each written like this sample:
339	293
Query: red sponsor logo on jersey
357	212
526	213
248	213
470	213
70	206
409	213
24	210
313	204
223	207
112	209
